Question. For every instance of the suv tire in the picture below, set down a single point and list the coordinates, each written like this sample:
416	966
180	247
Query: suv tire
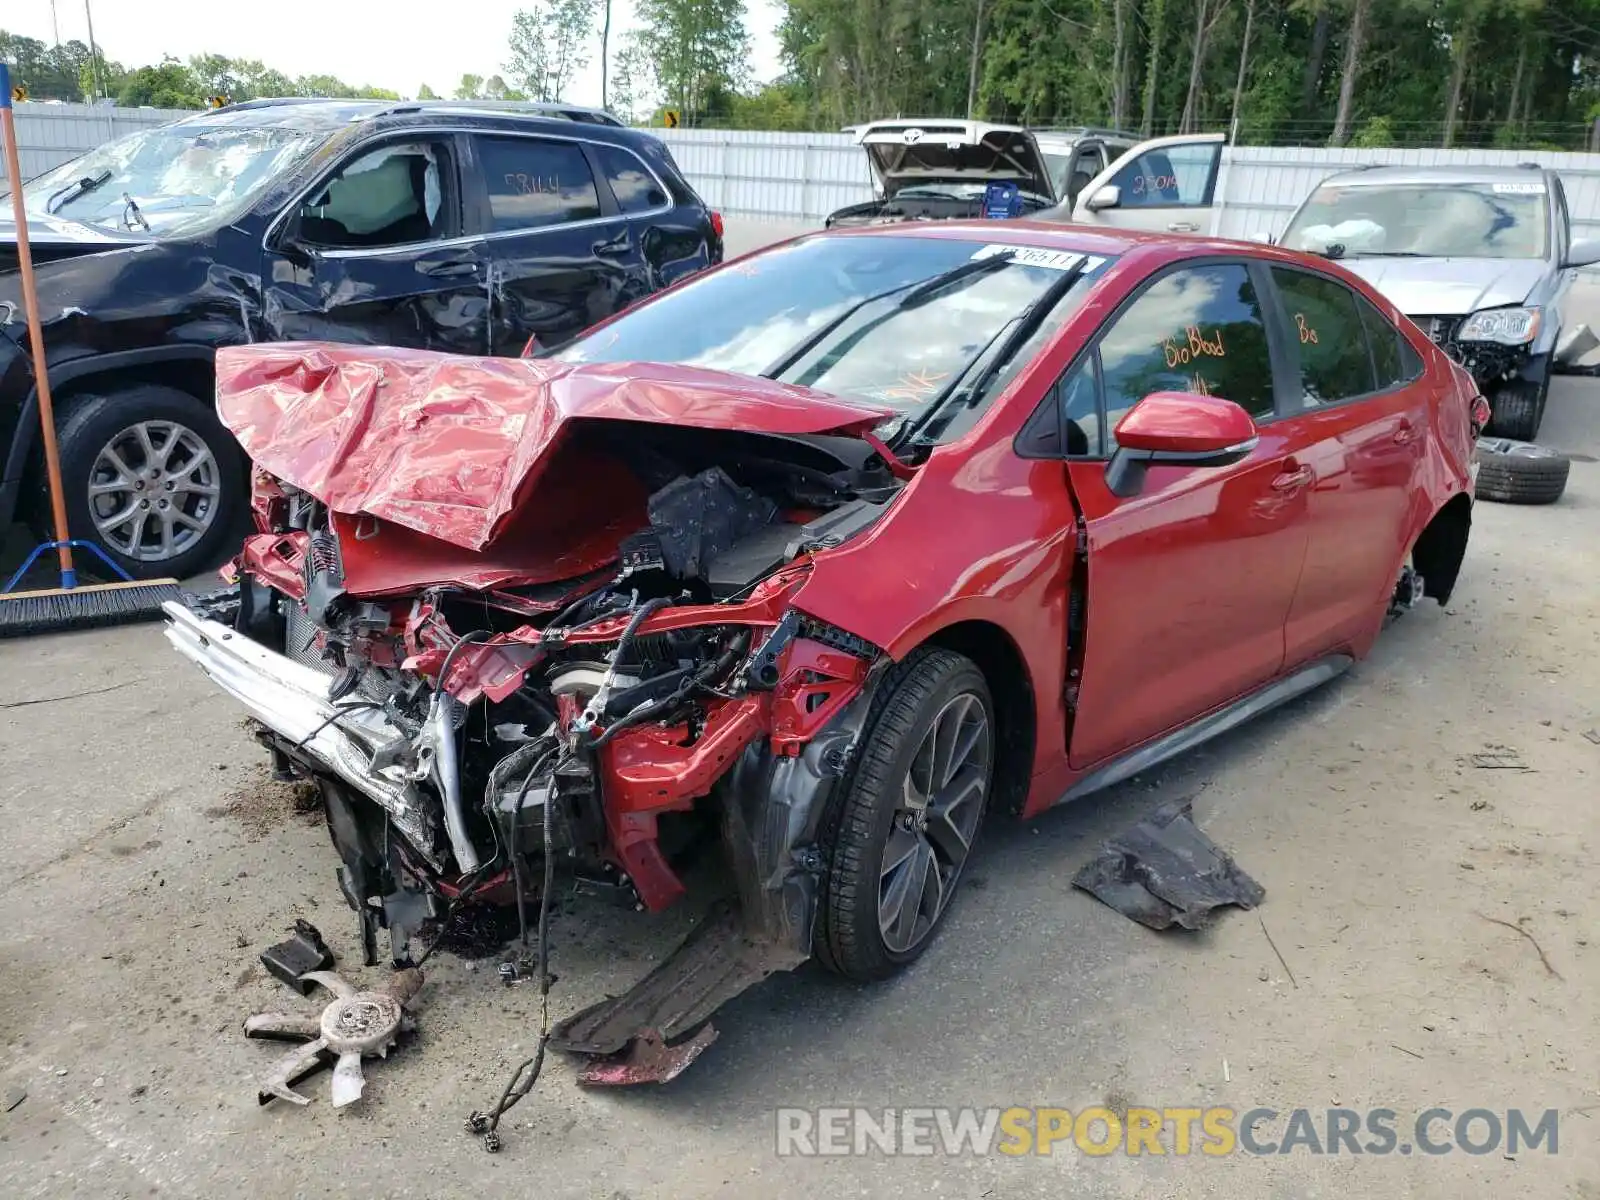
1517	409
189	491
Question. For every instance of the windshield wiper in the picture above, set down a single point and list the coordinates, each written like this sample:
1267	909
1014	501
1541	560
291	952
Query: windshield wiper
78	187
1008	339
133	211
916	293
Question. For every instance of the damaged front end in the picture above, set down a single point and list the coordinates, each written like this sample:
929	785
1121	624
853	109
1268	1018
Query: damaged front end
619	680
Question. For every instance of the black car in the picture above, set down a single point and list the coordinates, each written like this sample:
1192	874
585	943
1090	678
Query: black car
473	229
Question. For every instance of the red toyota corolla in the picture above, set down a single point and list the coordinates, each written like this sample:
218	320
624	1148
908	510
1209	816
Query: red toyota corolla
812	560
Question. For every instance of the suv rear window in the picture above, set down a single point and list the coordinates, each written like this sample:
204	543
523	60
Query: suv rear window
533	183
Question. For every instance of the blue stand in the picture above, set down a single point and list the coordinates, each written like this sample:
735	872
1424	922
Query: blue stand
69	579
1002	202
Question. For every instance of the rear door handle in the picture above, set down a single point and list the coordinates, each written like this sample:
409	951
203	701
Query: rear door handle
1405	435
1184	227
1293	481
616	245
452	268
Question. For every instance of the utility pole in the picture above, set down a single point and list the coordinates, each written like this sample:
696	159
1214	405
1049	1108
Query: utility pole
94	54
605	52
55	28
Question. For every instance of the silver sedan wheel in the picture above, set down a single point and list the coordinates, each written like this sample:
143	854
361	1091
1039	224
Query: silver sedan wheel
154	491
935	823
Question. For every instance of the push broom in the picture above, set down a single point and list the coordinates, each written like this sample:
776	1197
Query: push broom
71	606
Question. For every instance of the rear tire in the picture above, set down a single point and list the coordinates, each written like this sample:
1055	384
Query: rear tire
149	452
1513	472
907	817
1517	409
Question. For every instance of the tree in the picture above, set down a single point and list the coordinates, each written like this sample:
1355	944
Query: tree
169	85
1244	65
470	88
571	26
605	52
697	49
1206	15
1354	43
529	63
1154	73
426	93
630	85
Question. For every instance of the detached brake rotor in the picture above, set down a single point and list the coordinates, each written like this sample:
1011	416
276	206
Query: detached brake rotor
354	1025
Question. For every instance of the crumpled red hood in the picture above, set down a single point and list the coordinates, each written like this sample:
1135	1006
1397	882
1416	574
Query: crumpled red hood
443	443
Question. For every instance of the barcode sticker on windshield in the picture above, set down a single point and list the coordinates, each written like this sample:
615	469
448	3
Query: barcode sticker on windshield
1032	256
1517	189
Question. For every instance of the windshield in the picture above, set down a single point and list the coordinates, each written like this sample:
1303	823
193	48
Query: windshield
177	177
1434	220
894	321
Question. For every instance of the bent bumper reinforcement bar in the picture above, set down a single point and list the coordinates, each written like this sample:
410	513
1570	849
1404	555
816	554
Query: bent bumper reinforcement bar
354	741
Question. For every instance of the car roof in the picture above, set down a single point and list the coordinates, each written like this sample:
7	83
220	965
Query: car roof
323	114
1041	235
1476	173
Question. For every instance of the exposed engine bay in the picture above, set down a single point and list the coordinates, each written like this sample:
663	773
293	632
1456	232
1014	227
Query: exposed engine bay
666	700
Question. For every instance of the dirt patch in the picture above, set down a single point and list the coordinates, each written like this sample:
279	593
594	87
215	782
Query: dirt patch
262	805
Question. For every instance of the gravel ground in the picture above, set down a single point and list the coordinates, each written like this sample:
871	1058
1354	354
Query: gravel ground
146	863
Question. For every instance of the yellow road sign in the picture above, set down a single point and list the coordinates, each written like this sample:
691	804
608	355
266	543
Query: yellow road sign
19	93
671	117
219	102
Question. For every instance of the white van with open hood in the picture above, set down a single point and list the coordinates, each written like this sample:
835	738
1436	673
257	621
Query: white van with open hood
940	169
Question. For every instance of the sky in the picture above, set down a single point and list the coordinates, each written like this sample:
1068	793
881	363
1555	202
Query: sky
397	44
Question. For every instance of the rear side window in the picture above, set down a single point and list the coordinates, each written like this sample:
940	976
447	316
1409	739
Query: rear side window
1326	327
1389	358
534	184
636	189
1199	329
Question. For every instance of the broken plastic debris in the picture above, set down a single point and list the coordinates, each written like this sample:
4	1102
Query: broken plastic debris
1165	872
647	1059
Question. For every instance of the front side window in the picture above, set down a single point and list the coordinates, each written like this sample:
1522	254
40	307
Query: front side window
1198	329
391	196
903	322
1428	220
534	184
1326	328
178	177
1169	177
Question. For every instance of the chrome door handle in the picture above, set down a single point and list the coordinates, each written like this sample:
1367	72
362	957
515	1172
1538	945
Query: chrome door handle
1405	435
1293	481
1183	227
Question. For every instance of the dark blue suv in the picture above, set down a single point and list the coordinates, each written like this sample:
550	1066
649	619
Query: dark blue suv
465	227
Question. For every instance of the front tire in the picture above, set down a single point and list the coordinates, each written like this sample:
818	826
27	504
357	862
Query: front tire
150	476
909	815
1517	408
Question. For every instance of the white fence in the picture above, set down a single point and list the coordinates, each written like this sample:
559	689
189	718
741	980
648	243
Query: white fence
805	176
50	134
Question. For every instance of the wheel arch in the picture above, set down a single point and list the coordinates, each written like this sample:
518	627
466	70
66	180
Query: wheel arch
189	369
1441	547
997	655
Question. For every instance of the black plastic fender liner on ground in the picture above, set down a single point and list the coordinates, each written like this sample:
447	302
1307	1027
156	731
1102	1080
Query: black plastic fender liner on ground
1514	472
1164	871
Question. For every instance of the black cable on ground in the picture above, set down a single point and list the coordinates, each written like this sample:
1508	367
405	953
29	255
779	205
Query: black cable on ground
486	1125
